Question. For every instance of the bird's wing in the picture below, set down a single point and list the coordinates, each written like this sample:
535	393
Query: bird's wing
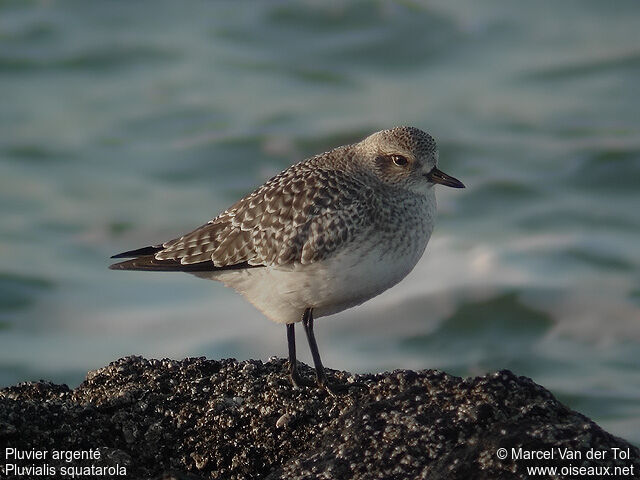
302	215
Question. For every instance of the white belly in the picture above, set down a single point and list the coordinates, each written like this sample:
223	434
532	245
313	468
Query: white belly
367	267
330	286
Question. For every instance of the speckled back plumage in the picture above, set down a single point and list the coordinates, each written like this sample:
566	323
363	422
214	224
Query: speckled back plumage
301	215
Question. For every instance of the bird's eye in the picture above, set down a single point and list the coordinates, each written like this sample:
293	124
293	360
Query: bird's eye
399	160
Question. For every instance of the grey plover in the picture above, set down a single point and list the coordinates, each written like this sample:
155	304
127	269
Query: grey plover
322	236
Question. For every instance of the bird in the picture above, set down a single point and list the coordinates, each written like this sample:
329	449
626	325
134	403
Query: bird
324	235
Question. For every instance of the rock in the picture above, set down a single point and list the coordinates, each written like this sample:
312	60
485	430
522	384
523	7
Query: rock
197	418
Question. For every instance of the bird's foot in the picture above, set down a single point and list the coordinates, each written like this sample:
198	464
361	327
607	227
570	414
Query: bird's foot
335	389
298	380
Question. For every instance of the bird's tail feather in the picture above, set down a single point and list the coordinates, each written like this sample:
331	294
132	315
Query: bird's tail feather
150	263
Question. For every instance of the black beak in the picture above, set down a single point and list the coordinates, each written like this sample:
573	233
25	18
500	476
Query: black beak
436	176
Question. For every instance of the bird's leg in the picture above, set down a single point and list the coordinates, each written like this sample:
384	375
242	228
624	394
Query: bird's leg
307	323
294	375
321	376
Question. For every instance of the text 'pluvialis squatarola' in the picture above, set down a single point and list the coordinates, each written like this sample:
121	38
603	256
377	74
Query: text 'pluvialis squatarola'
324	235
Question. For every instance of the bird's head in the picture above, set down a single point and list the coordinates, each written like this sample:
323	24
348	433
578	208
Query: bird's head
405	157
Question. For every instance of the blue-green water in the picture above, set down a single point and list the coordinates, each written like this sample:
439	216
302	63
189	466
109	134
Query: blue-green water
125	123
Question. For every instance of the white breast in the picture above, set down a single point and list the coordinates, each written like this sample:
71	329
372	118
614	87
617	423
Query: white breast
372	264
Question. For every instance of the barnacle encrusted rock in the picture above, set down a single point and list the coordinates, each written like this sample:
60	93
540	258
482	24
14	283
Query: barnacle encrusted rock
197	419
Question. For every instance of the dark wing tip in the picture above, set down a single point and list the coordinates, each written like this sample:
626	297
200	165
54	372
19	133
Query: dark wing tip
140	252
148	263
152	264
